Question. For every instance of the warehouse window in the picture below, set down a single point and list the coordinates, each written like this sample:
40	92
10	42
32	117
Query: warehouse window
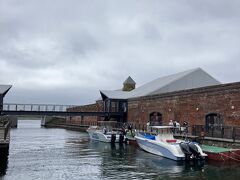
155	119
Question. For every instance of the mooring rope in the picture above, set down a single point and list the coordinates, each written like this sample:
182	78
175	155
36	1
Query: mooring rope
221	156
235	154
230	157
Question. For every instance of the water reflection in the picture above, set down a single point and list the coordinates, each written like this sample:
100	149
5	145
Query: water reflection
125	161
39	153
3	160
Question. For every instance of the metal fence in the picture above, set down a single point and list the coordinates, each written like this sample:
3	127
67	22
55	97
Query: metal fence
226	132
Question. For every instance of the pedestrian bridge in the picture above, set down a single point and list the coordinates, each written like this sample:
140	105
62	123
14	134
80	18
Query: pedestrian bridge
49	110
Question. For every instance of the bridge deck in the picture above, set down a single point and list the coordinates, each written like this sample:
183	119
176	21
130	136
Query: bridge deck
50	110
61	113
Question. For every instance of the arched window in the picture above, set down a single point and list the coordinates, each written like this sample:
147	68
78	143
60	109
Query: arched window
214	120
155	119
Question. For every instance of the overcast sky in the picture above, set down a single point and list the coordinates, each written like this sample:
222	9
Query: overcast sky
64	51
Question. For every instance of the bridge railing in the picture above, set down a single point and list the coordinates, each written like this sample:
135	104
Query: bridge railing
36	107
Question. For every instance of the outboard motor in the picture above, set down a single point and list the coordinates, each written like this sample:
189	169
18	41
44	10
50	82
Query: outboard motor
186	150
121	139
193	148
113	138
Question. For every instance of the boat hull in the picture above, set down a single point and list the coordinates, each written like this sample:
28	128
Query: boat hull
221	154
171	151
99	136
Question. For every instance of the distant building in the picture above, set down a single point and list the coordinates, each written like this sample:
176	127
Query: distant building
3	91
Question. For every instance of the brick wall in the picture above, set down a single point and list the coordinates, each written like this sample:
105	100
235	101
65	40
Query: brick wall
84	108
190	105
96	107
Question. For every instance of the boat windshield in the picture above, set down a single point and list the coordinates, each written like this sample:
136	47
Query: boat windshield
163	129
109	125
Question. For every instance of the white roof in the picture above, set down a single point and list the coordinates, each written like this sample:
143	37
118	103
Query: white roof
190	79
4	89
117	94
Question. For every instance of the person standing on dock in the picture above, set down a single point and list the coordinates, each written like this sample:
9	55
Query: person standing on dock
148	124
130	129
185	125
202	135
177	126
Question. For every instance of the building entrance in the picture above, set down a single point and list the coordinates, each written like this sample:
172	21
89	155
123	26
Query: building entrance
214	123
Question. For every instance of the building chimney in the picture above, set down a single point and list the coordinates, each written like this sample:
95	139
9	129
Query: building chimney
128	84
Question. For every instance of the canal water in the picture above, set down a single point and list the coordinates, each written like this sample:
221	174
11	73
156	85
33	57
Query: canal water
56	154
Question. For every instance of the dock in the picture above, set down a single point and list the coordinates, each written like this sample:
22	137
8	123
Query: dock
4	134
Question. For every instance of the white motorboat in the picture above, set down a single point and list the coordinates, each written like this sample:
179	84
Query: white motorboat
161	142
105	133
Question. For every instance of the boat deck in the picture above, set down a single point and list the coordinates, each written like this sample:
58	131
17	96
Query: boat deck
215	149
221	154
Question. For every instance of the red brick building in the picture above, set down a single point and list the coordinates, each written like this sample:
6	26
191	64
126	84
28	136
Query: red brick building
193	96
217	105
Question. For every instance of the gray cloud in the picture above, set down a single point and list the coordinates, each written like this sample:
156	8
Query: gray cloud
65	51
